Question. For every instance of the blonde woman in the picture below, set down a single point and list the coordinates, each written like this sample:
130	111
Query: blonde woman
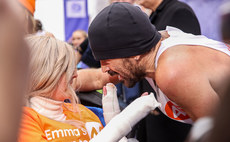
47	118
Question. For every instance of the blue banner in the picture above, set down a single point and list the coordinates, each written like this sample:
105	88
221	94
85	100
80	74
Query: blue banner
75	16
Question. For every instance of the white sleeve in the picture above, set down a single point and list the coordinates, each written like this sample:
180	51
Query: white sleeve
110	102
121	124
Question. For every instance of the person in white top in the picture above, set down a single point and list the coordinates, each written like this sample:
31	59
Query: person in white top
189	73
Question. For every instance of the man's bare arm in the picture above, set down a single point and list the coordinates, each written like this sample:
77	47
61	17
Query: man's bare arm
187	85
92	79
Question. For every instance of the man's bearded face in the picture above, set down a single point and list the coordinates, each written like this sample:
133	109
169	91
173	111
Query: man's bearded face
128	72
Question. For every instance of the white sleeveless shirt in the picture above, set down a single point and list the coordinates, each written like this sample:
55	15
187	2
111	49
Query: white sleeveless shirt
178	37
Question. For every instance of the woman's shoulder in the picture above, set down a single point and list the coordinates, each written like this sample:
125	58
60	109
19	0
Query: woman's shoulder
84	112
73	106
31	120
29	115
27	111
78	107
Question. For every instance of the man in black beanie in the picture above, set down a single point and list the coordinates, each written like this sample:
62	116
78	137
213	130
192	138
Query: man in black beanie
180	15
187	72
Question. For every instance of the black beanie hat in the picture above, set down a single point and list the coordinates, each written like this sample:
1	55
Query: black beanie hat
121	30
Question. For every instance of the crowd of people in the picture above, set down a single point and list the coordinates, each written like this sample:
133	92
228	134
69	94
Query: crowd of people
183	76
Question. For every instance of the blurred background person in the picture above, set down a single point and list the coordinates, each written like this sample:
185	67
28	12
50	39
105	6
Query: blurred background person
39	29
225	22
129	1
180	15
221	124
78	37
86	56
14	57
27	15
38	26
215	128
172	13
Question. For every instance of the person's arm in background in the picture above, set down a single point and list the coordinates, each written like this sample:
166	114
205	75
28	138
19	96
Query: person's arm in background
185	20
13	71
92	79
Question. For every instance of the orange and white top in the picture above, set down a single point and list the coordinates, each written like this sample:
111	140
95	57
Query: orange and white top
38	128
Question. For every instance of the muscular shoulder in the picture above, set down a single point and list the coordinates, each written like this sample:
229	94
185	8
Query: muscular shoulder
175	65
182	75
175	58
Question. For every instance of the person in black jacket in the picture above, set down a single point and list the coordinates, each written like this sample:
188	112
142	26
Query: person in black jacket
180	15
172	13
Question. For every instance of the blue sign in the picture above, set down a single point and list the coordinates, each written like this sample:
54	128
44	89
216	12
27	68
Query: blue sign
76	16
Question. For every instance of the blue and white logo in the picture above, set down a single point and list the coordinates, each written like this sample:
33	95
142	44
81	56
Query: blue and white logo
76	9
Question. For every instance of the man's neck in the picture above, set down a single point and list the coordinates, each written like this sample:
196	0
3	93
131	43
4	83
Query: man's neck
164	34
150	62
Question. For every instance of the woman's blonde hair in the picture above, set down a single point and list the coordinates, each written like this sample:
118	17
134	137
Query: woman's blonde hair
50	60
